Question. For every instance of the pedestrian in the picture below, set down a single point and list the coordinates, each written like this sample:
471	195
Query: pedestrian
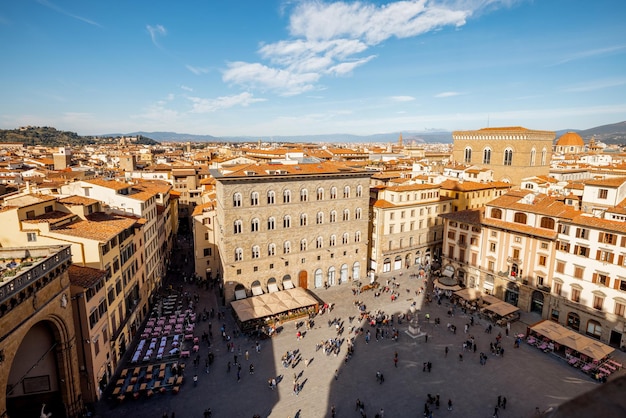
499	400
504	402
195	380
381	413
495	412
228	367
429	365
332	411
251	368
306	363
247	355
358	404
395	360
446	351
425	338
336	374
449	404
460	356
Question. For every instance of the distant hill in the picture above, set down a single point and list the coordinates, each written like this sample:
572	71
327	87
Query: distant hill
51	137
614	133
392	137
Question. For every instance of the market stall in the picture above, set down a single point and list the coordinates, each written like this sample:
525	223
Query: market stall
501	312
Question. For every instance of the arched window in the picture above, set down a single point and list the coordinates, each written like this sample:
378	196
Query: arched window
303	219
345	238
547	223
271	197
271	249
346	192
519	218
346	215
238	254
271	224
496	213
319	242
487	156
254	225
320	194
359	191
331	275
333	193
544	155
303	245
304	195
237	226
468	155
357	236
256	251
573	321
533	156
287	221
333	216
287	196
237	200
286	247
254	199
318	275
320	218
508	156
333	240
357	213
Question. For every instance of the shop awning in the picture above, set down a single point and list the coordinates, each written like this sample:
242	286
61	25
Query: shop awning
272	287
502	308
443	286
257	290
269	304
287	284
470	294
571	339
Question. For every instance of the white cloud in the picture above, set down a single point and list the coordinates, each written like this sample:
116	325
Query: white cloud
201	105
328	38
402	98
448	94
595	85
197	70
186	88
66	13
155	32
590	53
260	76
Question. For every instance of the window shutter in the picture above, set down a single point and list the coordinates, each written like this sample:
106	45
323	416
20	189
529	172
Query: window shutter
594	279
620	260
623	244
616	284
614	239
598	254
610	258
576	249
601	237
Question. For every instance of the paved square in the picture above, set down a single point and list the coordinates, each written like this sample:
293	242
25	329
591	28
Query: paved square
527	377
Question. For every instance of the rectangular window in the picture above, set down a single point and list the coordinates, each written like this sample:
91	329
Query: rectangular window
579	272
543	260
207	252
515	253
558	287
582	233
544	245
491	266
518	239
492	247
563	246
540	280
603	193
598	301
575	295
620	309
31	236
560	267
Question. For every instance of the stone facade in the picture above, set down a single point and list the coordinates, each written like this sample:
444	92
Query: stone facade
309	228
512	153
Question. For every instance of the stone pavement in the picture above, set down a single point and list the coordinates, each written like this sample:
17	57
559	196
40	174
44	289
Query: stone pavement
527	377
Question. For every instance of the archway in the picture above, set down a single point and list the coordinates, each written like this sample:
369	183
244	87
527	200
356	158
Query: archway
343	273
34	377
418	257
536	304
573	321
386	265
240	292
272	285
407	261
319	278
511	295
256	288
397	263
356	271
331	276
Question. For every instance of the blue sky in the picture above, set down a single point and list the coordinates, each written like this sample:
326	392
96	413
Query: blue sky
260	68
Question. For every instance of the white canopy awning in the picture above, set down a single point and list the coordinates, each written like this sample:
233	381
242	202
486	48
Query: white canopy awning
257	290
272	287
240	294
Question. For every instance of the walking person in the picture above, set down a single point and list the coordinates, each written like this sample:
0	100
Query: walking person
449	404
499	400
504	402
395	360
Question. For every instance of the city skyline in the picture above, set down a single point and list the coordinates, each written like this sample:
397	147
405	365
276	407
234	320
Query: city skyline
311	67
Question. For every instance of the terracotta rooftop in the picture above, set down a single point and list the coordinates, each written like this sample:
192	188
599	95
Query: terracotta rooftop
98	226
324	167
469	216
111	184
542	204
593	222
85	277
472	186
78	200
607	182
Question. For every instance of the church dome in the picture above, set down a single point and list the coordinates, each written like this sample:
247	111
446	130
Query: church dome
569	139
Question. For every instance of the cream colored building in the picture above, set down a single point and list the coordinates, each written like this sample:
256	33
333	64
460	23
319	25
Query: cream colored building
406	229
302	223
511	152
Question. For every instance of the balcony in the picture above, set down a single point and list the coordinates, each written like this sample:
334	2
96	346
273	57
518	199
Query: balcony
23	267
513	260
